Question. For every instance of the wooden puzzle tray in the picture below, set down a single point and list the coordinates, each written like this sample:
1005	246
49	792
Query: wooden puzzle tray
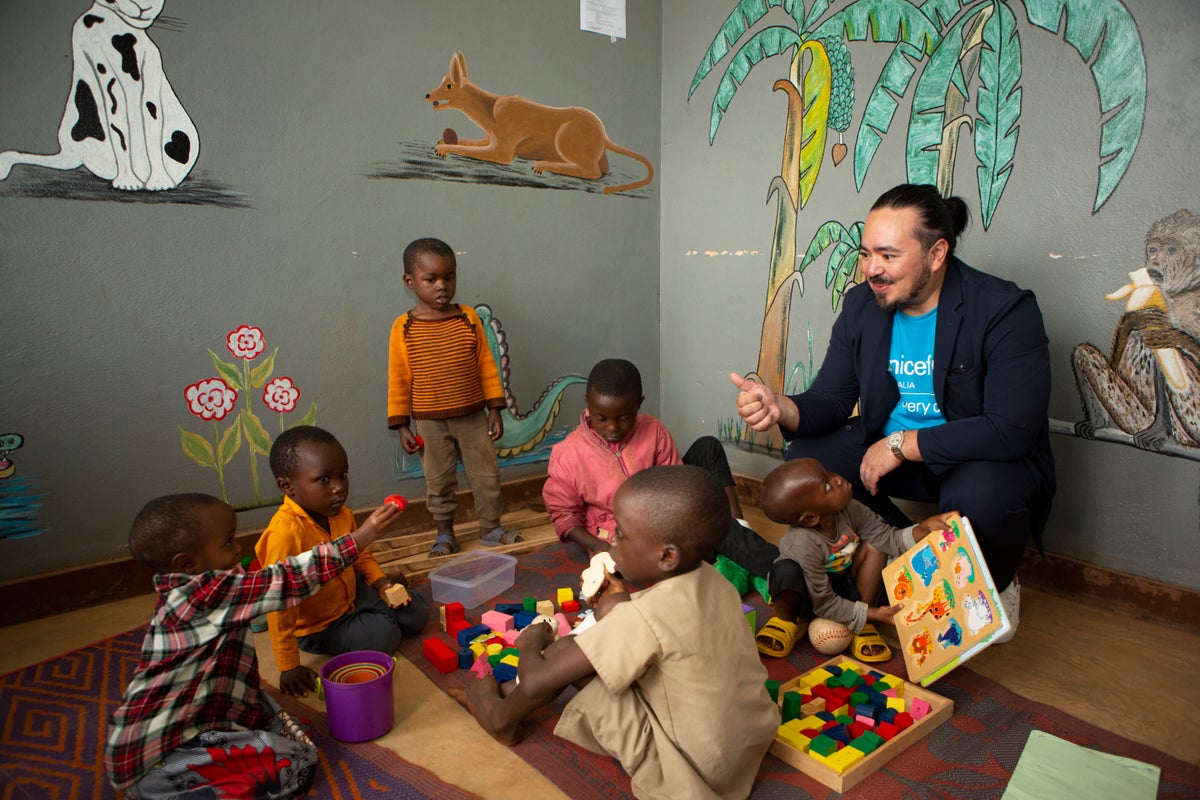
950	607
841	772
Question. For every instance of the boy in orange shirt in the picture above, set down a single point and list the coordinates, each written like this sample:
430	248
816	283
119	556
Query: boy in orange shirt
441	376
351	612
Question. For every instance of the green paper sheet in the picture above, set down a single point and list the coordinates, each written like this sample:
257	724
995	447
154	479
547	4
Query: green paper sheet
1051	768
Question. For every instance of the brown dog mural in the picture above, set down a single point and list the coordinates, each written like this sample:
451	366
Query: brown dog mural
1148	387
566	141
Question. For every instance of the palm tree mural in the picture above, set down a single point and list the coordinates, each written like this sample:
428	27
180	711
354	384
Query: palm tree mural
950	48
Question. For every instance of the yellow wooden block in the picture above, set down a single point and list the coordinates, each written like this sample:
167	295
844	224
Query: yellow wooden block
843	711
818	675
843	759
808	723
564	594
510	659
896	703
478	649
493	649
793	737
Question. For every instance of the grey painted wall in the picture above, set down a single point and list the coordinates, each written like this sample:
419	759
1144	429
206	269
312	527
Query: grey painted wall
111	307
1117	506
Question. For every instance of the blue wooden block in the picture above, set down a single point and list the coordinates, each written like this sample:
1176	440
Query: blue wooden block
510	608
465	658
467	634
824	715
866	710
523	618
504	672
839	733
887	715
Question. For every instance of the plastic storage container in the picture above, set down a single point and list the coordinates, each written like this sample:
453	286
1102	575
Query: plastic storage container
473	578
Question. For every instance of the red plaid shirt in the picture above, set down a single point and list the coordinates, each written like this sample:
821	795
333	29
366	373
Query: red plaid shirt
198	669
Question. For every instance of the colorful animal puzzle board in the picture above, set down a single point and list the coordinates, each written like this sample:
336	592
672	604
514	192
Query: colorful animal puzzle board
951	609
839	737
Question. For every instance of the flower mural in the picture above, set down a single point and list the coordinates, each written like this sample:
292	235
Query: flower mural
212	399
281	395
246	342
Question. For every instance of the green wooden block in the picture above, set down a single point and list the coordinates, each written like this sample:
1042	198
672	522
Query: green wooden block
823	745
791	705
773	690
864	745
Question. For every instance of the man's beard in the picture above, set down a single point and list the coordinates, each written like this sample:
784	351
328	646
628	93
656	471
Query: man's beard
919	286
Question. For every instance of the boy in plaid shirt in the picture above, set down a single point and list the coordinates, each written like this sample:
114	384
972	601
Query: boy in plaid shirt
194	714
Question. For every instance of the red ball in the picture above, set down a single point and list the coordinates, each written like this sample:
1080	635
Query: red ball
420	441
397	500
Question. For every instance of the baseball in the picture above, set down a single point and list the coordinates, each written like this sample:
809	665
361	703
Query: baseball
829	637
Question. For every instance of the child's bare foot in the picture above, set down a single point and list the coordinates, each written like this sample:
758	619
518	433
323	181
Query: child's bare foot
486	704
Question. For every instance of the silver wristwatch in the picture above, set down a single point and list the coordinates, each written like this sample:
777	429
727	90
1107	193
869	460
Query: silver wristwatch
895	440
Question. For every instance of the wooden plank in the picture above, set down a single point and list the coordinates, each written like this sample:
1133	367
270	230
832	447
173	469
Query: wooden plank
409	554
942	709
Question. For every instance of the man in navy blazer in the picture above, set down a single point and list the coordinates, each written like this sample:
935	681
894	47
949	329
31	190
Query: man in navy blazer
949	368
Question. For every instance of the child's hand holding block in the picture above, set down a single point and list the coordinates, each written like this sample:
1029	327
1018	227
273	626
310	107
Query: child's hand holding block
397	595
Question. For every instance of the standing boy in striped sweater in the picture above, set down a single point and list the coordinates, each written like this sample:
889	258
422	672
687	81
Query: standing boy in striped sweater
441	377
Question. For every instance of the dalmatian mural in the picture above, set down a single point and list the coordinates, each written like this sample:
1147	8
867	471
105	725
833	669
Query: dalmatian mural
122	120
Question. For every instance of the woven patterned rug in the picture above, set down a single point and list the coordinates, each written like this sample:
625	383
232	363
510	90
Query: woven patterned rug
53	717
972	755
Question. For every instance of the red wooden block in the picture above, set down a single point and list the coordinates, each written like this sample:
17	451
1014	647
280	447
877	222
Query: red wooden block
857	728
452	613
440	655
457	625
811	733
903	721
886	730
570	606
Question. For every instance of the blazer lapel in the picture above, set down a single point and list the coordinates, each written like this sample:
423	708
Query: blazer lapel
950	320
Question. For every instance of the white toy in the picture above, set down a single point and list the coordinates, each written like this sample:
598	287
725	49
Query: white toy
595	577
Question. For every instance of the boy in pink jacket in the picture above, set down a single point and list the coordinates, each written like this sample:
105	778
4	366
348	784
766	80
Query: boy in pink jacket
613	441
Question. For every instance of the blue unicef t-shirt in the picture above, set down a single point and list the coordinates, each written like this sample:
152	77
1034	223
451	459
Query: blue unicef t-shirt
911	364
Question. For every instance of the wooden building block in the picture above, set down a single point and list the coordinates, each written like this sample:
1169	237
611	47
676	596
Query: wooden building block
844	759
498	621
793	737
451	613
440	655
397	595
889	737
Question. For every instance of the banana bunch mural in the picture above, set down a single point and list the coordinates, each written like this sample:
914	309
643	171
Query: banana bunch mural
964	58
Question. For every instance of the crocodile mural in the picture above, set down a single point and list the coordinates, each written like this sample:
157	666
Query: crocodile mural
522	432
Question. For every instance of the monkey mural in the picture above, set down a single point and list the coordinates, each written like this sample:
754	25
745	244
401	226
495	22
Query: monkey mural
1148	386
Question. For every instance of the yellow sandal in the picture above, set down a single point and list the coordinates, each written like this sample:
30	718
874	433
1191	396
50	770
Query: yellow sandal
866	640
778	637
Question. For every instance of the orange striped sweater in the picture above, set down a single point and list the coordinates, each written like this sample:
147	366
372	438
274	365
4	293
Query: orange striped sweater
438	369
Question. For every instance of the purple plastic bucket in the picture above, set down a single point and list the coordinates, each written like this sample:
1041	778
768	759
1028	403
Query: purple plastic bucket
358	695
